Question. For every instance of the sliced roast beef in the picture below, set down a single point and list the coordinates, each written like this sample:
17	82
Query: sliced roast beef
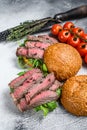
40	45
44	84
55	86
33	89
33	38
42	38
34	48
27	97
30	44
19	80
48	39
22	106
21	51
21	90
36	53
43	97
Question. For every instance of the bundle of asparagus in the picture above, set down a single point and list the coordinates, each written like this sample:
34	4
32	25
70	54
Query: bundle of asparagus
24	28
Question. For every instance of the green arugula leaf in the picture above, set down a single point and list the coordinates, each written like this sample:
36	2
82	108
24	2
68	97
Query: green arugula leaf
44	68
22	45
26	40
52	105
37	108
11	90
31	60
45	74
21	62
21	73
30	68
42	108
45	110
47	107
58	91
36	63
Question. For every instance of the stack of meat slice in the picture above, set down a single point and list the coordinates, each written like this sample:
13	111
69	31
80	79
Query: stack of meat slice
35	46
33	89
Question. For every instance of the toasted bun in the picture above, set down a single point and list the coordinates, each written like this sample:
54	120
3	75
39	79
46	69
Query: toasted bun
63	60
74	95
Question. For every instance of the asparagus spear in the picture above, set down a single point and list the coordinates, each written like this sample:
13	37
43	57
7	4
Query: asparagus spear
23	29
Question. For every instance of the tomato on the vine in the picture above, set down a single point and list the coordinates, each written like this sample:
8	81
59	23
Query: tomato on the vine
85	59
73	41
78	31
68	25
82	48
55	29
64	35
84	37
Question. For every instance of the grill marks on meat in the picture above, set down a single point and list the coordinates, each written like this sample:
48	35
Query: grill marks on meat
30	88
42	38
34	90
20	80
22	51
43	97
23	89
22	106
44	85
40	45
34	48
36	53
55	86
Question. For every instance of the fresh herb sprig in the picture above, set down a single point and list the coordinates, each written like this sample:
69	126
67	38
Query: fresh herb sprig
27	27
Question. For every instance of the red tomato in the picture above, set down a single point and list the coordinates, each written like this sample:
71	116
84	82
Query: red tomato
78	31
82	48
85	59
84	37
68	25
55	29
73	41
64	35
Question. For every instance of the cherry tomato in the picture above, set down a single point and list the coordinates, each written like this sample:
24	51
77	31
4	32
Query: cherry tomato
55	29
78	31
68	25
73	41
64	35
85	59
82	48
84	37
